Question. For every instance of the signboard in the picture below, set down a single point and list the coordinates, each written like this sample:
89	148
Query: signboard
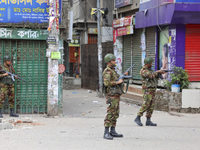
16	11
75	42
55	55
122	3
124	30
51	40
92	31
190	1
32	34
147	4
122	22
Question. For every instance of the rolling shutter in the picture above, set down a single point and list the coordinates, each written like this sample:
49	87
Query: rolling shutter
126	52
137	54
151	44
192	52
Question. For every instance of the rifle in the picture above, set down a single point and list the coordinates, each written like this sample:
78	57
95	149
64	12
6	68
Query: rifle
160	75
123	76
12	75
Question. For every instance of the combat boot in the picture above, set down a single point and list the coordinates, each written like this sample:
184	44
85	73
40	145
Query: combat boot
138	121
1	116
149	123
12	114
107	134
114	133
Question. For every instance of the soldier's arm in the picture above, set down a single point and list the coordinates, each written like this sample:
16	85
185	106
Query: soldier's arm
107	78
148	74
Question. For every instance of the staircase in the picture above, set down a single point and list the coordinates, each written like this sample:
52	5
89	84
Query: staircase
134	95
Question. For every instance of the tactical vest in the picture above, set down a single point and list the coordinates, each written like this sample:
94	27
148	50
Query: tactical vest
115	89
7	80
150	83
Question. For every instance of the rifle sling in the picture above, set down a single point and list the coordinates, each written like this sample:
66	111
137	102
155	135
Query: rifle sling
127	84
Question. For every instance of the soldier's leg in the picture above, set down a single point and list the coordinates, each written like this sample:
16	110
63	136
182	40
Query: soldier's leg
144	107
108	119
11	96
150	111
116	110
3	95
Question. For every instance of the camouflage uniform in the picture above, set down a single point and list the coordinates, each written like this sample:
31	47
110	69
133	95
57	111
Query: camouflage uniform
149	85
112	99
6	90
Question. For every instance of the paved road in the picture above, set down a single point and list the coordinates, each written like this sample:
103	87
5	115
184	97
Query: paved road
81	128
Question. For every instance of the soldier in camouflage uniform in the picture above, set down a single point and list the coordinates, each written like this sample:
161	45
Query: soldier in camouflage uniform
112	97
7	86
149	85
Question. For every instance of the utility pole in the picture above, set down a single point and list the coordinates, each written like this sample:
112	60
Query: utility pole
99	50
53	56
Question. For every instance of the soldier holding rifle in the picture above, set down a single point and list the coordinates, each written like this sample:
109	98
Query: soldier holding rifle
113	93
149	85
7	86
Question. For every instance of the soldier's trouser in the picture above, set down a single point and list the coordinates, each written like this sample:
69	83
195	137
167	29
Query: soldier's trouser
112	111
149	102
4	92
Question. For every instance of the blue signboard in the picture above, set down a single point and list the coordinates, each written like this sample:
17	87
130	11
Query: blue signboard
191	1
16	11
122	3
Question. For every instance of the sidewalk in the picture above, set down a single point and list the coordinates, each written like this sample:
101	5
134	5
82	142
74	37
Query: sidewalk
80	127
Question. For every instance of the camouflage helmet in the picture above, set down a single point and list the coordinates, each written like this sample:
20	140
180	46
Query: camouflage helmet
5	58
109	57
148	60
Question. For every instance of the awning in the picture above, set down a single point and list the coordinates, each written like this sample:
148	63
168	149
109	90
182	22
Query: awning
174	13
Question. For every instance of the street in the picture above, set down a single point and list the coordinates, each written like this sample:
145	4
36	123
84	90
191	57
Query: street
80	127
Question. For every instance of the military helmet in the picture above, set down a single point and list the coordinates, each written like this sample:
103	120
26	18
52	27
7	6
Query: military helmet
5	58
148	60
109	57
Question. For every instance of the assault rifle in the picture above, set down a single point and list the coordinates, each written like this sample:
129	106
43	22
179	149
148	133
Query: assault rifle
12	75
123	76
160	75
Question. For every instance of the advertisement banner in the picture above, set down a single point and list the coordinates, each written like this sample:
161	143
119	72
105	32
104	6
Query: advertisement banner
192	1
122	3
125	30
122	22
16	11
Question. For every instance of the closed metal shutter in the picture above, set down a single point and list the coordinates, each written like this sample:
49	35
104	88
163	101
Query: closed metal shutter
127	56
137	54
151	44
192	52
30	63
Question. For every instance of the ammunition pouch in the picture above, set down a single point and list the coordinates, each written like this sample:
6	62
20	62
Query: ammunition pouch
7	81
117	89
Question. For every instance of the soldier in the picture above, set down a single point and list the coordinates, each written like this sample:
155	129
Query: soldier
7	86
113	93
149	85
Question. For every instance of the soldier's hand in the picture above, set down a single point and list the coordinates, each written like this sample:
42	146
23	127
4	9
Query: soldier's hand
160	71
126	73
5	74
120	81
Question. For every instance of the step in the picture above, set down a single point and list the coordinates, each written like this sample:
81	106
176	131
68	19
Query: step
133	98
135	88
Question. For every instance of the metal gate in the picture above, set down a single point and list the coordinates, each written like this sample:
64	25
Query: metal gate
89	64
30	63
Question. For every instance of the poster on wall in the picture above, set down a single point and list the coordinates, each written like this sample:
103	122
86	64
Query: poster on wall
164	51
